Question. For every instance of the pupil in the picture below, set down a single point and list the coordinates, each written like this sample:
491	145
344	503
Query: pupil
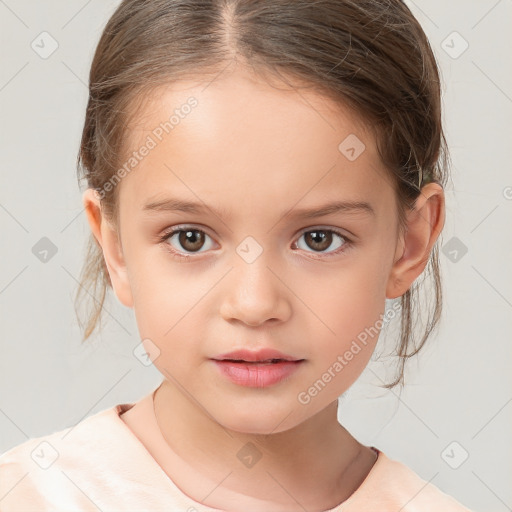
321	239
191	239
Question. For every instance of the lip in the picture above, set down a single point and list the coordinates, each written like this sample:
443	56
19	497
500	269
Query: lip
254	368
257	375
250	356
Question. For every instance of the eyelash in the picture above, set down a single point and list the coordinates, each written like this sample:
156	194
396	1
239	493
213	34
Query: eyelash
169	233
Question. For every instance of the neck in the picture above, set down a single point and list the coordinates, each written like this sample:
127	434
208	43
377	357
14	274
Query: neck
319	446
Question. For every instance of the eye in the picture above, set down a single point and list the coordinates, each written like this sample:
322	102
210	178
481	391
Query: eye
189	239
321	239
184	241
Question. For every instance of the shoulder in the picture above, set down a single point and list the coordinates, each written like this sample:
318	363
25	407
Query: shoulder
38	474
397	485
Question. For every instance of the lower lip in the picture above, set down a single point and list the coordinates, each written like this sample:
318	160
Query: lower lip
257	375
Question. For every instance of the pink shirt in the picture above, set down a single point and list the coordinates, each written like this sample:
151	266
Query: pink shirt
100	464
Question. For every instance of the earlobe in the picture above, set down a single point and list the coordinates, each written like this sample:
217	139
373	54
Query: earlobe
424	224
108	239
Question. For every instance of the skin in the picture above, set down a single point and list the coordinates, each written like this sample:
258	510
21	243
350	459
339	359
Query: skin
259	152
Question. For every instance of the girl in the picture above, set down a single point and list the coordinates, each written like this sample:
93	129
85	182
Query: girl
261	177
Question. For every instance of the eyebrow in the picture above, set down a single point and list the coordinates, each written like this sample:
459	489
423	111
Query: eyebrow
173	204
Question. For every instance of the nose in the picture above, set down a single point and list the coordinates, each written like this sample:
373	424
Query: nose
254	293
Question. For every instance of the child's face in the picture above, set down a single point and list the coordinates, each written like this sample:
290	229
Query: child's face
258	155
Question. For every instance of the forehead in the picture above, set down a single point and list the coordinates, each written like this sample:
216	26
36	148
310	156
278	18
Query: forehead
239	141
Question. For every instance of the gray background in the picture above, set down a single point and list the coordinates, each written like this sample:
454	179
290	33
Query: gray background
458	390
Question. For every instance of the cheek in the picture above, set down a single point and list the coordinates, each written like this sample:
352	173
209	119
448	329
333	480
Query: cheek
159	296
351	306
345	302
168	305
349	300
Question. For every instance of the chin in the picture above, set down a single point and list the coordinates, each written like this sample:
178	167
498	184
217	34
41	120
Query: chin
255	422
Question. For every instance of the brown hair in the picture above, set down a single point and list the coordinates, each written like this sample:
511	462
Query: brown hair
369	55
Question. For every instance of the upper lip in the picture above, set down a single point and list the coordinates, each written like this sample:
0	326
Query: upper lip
263	354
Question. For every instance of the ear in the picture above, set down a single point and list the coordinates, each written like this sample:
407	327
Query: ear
108	239
424	224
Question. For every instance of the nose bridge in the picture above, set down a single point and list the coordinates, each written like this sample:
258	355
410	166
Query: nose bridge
254	292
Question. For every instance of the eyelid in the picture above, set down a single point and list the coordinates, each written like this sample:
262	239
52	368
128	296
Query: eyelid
199	227
334	229
348	242
167	233
162	239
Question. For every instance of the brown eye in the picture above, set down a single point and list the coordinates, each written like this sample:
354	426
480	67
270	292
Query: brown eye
191	240
186	240
322	239
318	240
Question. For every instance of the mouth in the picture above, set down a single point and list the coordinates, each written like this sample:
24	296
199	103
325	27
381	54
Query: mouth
264	362
258	374
262	356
